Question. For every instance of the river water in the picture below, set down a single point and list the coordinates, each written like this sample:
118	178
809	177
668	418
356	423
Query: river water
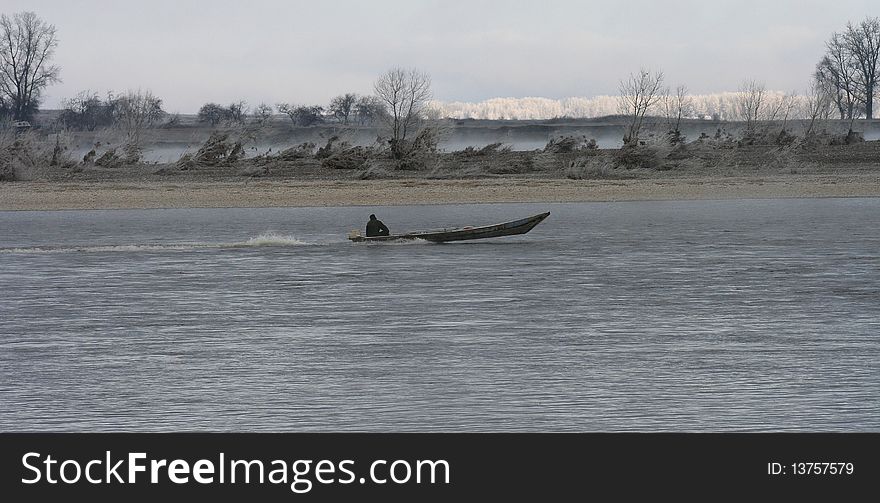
750	315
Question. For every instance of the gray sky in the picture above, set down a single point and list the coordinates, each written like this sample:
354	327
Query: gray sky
192	52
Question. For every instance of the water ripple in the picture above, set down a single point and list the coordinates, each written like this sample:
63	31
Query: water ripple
691	316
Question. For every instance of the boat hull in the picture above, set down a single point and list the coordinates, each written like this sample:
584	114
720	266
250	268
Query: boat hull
511	228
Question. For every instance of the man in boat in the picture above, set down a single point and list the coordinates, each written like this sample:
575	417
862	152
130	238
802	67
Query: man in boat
375	227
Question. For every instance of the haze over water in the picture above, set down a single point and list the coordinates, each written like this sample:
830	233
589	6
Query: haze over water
757	315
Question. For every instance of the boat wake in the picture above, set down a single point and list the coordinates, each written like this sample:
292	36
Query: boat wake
401	242
263	240
270	239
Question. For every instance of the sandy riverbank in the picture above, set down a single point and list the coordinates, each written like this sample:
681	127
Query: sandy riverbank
272	193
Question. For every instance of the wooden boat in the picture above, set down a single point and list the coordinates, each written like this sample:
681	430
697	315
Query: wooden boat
461	234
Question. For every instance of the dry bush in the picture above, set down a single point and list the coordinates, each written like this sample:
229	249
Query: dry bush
302	151
492	148
640	157
678	152
570	144
504	169
61	151
785	138
543	161
422	152
349	158
110	159
90	157
682	156
851	137
27	156
185	163
374	171
410	163
426	141
755	136
592	168
510	164
334	145
781	159
255	171
814	140
472	171
236	153
7	154
720	139
340	154
675	137
218	150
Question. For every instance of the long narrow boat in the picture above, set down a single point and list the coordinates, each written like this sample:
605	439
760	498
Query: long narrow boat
461	234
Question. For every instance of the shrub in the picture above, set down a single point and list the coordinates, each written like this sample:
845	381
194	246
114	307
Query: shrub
301	151
217	150
26	156
592	167
568	144
349	158
640	157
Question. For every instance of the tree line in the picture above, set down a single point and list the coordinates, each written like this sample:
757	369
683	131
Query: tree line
348	108
87	111
844	83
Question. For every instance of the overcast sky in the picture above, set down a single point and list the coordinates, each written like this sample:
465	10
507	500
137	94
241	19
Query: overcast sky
192	52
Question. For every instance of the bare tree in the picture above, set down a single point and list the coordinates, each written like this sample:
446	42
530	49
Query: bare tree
369	109
863	43
786	108
342	106
751	102
638	94
405	94
677	106
211	112
26	48
837	69
136	111
302	115
263	112
86	111
777	108
236	112
818	103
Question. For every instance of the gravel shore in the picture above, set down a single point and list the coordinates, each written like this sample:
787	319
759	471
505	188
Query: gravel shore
279	193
